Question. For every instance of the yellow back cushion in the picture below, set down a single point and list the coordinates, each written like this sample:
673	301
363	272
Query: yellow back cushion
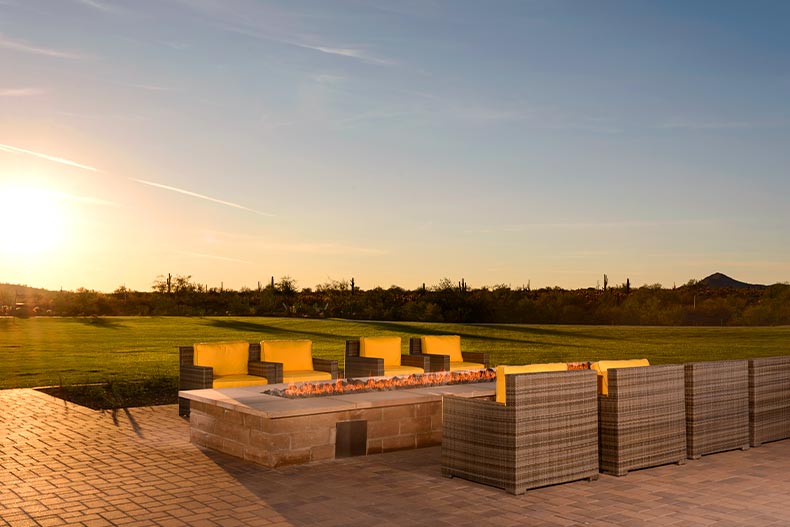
603	365
443	345
294	354
227	358
387	348
501	371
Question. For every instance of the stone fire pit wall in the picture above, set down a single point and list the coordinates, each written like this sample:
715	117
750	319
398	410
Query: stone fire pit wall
275	432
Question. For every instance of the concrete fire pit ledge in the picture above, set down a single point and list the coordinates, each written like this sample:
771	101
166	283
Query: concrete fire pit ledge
275	431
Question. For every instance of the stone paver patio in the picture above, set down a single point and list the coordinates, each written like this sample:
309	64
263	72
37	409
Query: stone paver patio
62	464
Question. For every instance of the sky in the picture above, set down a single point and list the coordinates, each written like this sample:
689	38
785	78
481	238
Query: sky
531	142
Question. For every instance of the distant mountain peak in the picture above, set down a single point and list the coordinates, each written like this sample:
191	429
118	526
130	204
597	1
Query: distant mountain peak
721	280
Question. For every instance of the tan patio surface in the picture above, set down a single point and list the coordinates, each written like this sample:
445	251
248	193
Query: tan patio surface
62	464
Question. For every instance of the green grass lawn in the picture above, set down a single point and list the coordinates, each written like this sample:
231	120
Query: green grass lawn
51	351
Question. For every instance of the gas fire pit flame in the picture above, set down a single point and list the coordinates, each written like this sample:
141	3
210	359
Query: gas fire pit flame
378	384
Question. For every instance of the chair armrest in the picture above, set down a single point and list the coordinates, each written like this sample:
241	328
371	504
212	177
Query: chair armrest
418	361
475	356
364	367
436	362
326	365
273	371
195	377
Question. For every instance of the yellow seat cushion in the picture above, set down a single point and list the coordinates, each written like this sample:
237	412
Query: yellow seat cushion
226	358
443	345
237	381
464	366
305	375
387	348
295	355
392	371
602	366
503	370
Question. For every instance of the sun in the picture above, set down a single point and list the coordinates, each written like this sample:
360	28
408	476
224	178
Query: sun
32	221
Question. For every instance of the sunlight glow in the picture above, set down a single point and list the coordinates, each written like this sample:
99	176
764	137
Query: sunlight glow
33	221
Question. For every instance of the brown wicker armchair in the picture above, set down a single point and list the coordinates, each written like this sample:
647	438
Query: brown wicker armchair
717	407
197	377
391	363
297	361
769	400
545	433
448	355
642	419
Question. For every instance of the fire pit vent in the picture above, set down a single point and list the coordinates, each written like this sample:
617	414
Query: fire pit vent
351	438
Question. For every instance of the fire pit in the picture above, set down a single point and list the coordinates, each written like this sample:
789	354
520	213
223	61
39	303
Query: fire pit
381	384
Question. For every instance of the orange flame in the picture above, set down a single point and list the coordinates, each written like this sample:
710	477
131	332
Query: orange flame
342	386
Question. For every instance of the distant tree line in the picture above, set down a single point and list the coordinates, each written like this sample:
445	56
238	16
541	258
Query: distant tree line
690	304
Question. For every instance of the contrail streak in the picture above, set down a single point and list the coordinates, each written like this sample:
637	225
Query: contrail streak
201	196
61	160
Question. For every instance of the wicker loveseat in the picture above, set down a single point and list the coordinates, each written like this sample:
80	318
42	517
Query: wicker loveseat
717	406
641	416
381	356
223	365
444	353
545	433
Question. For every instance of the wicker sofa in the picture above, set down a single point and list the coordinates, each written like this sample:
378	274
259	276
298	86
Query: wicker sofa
391	363
544	434
717	406
444	353
200	376
769	399
642	419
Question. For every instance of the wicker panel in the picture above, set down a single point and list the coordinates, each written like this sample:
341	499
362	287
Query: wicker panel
642	422
717	407
769	399
476	356
546	434
273	371
326	365
363	367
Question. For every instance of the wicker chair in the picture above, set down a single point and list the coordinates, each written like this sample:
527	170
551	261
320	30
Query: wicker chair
769	400
298	363
717	407
358	366
192	377
470	359
642	420
544	434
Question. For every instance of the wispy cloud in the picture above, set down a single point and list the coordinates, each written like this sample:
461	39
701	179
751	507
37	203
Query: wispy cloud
627	224
24	47
212	257
350	121
199	196
56	159
20	92
308	247
95	4
683	124
356	53
320	248
353	53
149	87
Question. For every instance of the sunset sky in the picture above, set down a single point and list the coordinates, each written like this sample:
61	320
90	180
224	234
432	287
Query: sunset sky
397	142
